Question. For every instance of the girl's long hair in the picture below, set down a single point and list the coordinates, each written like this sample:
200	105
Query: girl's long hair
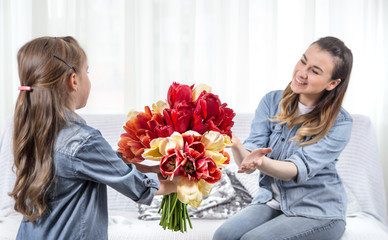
45	64
318	122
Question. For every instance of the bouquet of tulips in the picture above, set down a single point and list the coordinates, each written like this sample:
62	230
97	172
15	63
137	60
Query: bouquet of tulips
187	135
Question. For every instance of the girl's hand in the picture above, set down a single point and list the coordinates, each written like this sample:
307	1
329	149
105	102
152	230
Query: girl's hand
254	160
168	185
156	169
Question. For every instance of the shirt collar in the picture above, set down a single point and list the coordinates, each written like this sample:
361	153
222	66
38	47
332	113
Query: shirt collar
73	117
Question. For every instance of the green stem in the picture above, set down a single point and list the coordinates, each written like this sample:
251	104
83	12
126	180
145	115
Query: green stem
174	214
188	216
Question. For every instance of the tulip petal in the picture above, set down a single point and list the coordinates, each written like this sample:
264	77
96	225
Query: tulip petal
152	154
132	114
214	141
228	141
175	141
217	157
199	89
204	187
159	106
188	192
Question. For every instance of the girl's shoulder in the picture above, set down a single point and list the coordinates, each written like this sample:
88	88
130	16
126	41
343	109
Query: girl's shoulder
74	136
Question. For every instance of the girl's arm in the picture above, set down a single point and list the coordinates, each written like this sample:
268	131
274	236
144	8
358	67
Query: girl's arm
283	170
149	169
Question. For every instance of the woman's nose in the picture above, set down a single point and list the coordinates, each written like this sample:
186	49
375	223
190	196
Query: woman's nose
302	73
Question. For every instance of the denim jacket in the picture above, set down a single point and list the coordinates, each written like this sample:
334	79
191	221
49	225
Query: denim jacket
317	190
84	164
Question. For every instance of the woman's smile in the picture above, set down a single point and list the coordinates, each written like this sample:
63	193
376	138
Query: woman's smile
299	82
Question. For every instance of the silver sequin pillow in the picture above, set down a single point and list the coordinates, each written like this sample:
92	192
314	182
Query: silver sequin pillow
227	197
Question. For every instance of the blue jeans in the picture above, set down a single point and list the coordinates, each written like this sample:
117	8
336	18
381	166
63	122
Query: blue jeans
259	222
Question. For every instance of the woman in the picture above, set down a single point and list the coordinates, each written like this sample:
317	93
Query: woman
296	137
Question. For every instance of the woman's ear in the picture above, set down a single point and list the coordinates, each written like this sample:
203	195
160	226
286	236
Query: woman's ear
333	84
72	82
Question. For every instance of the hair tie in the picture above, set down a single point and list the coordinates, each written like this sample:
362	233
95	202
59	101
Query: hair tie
24	88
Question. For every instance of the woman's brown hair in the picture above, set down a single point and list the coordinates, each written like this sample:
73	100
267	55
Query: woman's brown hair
318	122
45	64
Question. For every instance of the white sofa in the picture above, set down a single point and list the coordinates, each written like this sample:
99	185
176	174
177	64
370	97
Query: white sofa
359	168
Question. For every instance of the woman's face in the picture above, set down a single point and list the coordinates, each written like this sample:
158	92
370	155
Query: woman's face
312	75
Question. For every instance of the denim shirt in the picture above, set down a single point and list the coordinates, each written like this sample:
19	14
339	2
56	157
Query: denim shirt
84	164
317	190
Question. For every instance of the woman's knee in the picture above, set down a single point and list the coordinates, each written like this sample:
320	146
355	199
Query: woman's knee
221	233
227	231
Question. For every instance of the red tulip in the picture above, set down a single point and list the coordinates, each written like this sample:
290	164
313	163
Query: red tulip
178	93
139	131
191	162
178	120
211	115
168	164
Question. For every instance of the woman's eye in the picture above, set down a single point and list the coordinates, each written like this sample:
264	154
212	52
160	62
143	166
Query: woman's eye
303	62
315	72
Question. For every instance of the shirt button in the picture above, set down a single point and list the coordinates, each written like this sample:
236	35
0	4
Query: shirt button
273	127
283	139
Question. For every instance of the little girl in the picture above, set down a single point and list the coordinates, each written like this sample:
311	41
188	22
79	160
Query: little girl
62	164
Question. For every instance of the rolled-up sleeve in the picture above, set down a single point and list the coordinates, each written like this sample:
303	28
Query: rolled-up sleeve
96	161
312	158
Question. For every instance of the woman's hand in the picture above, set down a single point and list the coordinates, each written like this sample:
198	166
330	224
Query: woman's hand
254	160
284	170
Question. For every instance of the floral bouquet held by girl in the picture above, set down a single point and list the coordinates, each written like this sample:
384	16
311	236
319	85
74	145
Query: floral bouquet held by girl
187	135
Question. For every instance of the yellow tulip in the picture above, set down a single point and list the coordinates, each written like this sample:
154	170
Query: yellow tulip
214	141
174	141
159	106
191	132
153	152
228	141
199	89
204	187
132	114
188	192
159	146
217	157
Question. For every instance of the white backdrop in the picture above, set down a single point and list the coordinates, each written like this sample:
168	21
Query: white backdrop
242	48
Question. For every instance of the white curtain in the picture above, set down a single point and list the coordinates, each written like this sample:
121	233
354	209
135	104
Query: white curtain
242	48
